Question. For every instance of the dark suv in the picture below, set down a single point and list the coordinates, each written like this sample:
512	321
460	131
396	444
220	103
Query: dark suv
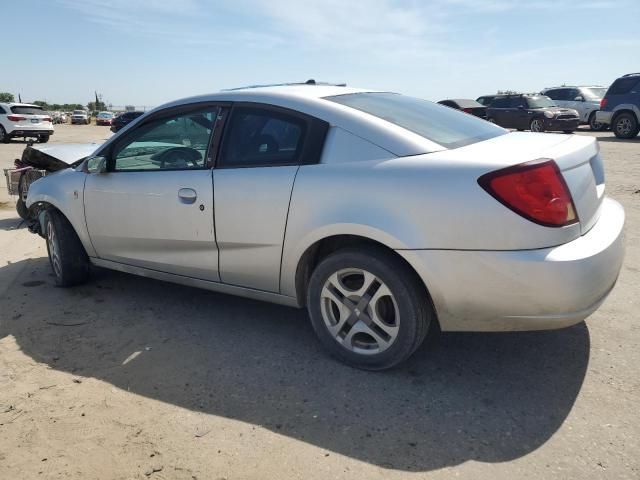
620	107
124	119
531	112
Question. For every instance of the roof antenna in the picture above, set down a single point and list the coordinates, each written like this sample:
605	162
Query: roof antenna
311	81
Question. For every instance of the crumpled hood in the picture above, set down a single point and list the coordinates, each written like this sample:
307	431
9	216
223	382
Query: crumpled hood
56	157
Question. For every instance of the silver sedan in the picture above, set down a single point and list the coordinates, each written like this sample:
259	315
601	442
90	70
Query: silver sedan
386	216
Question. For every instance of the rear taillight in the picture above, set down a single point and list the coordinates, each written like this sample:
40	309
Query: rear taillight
46	119
603	103
467	110
16	118
536	190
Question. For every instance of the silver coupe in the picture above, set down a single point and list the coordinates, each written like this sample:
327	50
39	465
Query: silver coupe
386	216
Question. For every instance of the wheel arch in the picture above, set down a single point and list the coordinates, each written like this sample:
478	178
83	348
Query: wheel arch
323	247
622	110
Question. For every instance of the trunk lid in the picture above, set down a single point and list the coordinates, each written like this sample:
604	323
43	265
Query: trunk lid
578	158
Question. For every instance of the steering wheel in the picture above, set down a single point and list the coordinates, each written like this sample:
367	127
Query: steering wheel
178	154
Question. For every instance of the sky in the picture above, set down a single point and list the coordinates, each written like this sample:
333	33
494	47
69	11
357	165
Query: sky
147	52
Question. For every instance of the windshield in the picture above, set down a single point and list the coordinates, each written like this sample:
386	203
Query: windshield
27	110
594	93
443	125
105	115
78	112
540	102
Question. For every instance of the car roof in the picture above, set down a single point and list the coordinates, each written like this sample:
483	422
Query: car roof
573	86
14	104
311	100
463	102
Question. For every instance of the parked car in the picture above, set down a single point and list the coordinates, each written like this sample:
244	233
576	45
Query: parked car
25	121
584	100
386	216
58	117
467	106
104	118
532	112
620	107
124	119
80	117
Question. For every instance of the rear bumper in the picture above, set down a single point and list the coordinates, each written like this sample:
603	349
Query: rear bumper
30	132
561	124
525	289
604	117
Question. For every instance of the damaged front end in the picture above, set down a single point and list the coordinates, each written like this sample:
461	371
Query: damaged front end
36	162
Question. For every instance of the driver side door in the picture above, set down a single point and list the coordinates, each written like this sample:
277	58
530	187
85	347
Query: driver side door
153	207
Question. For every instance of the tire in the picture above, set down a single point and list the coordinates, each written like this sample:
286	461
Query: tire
594	125
401	306
520	129
537	125
568	131
21	205
625	125
43	138
68	259
22	209
4	138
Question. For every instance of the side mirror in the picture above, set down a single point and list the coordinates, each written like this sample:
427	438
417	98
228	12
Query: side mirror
95	165
579	98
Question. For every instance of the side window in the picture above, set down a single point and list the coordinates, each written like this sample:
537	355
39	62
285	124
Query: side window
178	142
572	93
553	94
515	102
259	137
500	102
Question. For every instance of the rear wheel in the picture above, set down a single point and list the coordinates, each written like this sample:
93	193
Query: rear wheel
536	125
625	125
594	124
367	308
43	138
4	137
67	256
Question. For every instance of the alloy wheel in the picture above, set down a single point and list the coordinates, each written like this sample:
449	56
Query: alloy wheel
360	311
594	124
624	126
536	126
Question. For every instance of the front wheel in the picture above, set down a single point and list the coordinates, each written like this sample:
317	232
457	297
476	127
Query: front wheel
368	308
536	125
68	259
625	125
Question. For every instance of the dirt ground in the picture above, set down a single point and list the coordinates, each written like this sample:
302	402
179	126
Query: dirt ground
127	377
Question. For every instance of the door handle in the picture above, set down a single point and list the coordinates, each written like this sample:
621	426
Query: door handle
187	195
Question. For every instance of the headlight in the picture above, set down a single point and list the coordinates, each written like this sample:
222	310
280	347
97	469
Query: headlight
549	114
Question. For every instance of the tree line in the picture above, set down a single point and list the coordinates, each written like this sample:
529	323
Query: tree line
7	97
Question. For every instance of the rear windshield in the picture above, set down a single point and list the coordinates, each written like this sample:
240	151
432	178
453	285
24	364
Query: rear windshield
445	126
623	85
28	110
